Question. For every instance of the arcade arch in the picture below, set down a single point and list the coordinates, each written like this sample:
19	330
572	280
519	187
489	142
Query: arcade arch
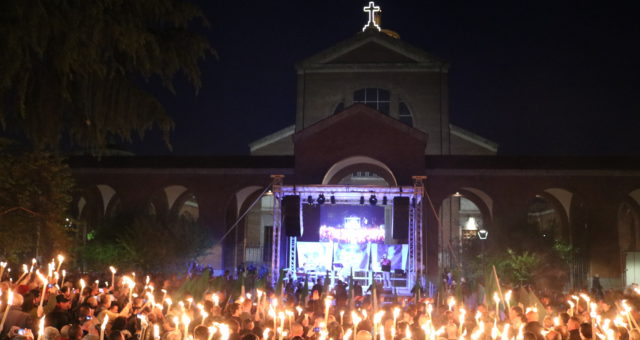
186	205
174	201
628	226
464	216
253	235
547	215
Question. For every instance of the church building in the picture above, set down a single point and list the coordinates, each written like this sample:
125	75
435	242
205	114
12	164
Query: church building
372	124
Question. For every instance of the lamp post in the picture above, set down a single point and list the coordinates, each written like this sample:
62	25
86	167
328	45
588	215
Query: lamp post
482	236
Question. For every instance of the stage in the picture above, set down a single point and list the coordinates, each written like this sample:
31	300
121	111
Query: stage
346	231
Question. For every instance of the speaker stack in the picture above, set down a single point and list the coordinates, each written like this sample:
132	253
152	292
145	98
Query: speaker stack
291	215
401	218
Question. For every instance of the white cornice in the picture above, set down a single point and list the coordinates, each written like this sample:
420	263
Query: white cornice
272	138
473	138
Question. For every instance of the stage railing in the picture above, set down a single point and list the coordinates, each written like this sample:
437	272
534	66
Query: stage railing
399	280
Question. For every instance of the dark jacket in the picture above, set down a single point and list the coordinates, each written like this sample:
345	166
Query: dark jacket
58	318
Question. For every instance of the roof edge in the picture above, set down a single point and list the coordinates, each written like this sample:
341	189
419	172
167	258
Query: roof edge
473	138
350	44
355	109
272	138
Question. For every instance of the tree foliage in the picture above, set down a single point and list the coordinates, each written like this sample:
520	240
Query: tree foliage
143	241
35	192
71	70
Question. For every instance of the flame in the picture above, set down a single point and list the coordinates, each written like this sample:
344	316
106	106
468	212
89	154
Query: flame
505	332
494	331
41	328
10	298
224	331
356	319
376	317
42	278
507	295
451	301
347	334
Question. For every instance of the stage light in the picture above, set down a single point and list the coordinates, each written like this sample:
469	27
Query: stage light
361	199
332	199
321	199
373	200
384	200
310	199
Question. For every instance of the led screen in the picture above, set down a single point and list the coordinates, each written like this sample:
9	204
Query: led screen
354	224
319	256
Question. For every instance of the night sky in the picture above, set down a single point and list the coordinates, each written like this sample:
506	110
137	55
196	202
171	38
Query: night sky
539	78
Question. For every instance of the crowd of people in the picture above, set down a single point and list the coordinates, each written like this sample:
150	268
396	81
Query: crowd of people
126	307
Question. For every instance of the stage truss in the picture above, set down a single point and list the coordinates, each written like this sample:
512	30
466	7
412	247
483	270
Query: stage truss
349	195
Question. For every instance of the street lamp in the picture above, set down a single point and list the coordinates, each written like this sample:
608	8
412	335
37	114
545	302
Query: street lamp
483	234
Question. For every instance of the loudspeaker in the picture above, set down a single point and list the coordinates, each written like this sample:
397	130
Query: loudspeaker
291	215
401	218
311	223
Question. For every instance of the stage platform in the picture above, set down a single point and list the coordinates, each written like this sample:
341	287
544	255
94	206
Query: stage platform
399	280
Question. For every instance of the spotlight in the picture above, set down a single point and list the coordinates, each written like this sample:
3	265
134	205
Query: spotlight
332	199
321	199
373	200
310	199
384	200
361	199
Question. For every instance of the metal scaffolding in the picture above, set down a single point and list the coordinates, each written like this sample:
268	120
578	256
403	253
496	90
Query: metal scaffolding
277	226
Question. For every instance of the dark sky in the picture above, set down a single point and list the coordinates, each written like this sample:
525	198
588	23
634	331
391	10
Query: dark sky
539	78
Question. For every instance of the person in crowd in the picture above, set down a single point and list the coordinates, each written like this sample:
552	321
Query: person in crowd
61	315
16	317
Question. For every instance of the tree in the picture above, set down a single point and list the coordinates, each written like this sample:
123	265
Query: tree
142	241
72	70
35	192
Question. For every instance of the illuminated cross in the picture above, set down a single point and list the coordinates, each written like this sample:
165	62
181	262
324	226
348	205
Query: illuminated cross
371	9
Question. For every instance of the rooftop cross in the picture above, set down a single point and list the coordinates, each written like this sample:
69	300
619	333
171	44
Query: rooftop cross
371	9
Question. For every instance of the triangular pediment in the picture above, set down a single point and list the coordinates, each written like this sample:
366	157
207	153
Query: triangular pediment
371	48
364	118
372	52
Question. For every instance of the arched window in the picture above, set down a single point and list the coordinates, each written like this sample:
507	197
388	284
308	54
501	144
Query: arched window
461	221
190	208
404	114
545	218
259	231
379	99
363	178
